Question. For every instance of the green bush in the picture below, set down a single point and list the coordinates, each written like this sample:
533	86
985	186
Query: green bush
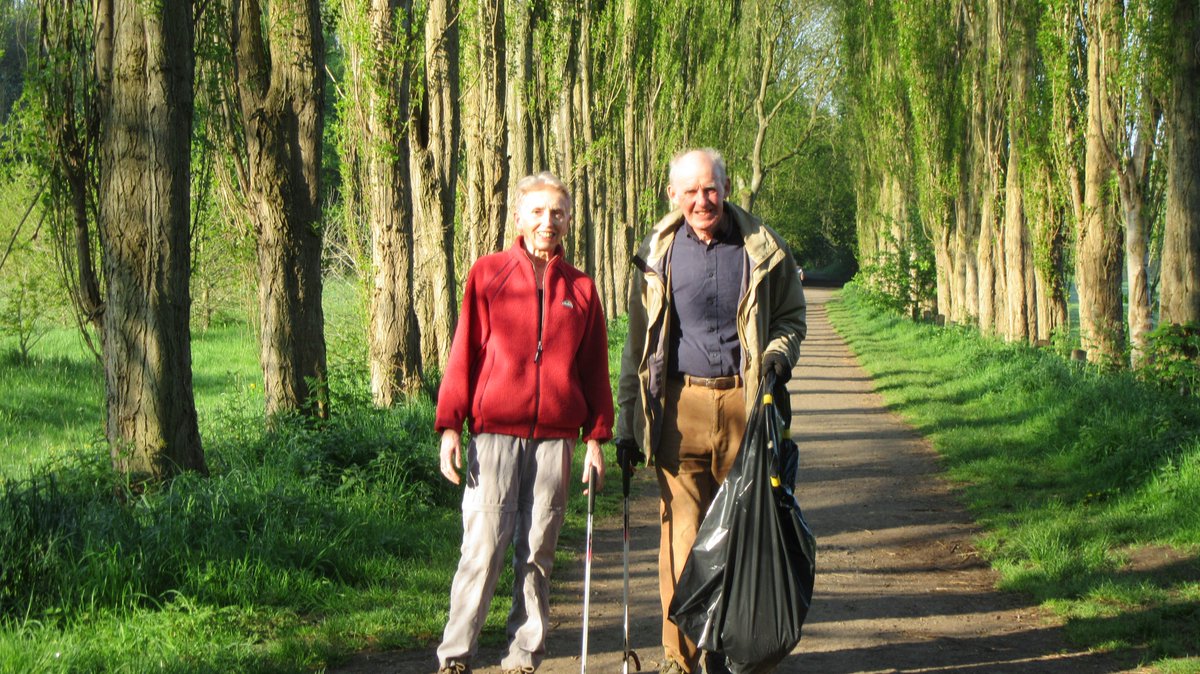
1173	357
901	278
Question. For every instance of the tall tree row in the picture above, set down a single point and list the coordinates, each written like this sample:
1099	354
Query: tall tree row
437	107
1039	130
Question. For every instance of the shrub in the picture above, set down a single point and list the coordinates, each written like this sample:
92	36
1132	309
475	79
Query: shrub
1173	357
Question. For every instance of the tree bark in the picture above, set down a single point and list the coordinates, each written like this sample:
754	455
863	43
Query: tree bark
434	142
520	94
281	86
1098	260
486	134
1180	295
1133	175
1019	305
145	66
589	215
1049	258
374	37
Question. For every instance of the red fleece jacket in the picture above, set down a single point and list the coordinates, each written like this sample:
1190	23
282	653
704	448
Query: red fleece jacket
508	376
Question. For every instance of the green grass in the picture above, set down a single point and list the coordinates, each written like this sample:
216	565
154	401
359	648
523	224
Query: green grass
1087	482
308	542
52	404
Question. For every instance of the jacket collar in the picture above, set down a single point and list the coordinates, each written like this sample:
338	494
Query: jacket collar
518	248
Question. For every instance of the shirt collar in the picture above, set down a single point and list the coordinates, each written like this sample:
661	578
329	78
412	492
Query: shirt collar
727	233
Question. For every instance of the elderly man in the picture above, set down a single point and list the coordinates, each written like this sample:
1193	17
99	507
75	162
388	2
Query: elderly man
528	371
717	302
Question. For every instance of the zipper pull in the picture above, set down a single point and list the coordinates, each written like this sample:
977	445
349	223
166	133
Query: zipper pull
537	357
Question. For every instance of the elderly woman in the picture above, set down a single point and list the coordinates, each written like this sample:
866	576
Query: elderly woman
528	372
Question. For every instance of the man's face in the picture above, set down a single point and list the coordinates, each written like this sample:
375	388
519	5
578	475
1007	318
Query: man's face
699	191
542	217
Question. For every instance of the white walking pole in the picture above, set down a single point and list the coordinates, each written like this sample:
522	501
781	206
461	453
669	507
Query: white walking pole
628	653
587	568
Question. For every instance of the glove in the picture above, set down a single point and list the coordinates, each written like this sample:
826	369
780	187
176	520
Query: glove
776	362
628	454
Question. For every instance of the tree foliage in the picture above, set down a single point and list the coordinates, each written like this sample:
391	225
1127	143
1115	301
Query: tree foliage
1021	145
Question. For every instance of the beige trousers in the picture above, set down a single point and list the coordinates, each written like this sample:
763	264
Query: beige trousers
516	491
702	432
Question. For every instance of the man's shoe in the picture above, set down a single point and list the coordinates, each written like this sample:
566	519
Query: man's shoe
520	670
671	667
455	668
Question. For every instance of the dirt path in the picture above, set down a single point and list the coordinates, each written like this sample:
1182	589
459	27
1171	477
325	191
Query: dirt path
899	585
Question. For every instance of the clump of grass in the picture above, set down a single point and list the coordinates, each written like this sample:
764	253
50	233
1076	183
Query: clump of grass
1067	466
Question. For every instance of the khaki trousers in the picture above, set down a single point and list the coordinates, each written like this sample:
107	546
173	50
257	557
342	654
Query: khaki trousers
702	432
516	491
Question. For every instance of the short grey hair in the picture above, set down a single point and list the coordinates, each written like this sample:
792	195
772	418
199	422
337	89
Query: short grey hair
713	155
536	183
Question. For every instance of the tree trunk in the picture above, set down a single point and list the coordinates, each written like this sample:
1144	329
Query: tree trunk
589	215
764	56
520	94
485	134
1019	302
145	64
1180	295
1098	254
380	105
1133	176
564	118
434	142
965	280
1050	265
281	83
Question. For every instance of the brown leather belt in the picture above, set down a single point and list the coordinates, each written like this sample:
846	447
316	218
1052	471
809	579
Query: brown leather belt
720	383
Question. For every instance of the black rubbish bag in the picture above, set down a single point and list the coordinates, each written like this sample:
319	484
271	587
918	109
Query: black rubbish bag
747	585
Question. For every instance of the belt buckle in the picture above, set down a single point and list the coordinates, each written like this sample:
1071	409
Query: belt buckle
710	382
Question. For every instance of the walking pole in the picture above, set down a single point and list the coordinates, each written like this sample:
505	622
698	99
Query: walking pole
628	653
587	568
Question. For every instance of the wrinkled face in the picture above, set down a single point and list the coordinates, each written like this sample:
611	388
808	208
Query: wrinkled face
541	218
699	190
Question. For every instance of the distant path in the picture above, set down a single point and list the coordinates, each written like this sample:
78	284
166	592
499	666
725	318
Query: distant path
899	585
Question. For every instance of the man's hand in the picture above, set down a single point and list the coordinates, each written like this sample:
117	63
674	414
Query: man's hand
451	455
778	363
629	455
593	459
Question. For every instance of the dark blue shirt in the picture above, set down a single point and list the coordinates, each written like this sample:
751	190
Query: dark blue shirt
706	286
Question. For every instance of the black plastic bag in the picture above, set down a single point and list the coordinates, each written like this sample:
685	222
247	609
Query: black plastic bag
747	585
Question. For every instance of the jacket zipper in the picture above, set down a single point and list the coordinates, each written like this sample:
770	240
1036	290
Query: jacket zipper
537	356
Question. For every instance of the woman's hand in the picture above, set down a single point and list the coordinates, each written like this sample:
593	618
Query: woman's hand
451	455
593	459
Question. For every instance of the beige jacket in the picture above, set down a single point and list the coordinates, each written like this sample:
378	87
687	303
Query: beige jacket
771	318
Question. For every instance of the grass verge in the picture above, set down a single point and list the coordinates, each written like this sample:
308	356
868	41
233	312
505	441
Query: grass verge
307	543
1086	482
